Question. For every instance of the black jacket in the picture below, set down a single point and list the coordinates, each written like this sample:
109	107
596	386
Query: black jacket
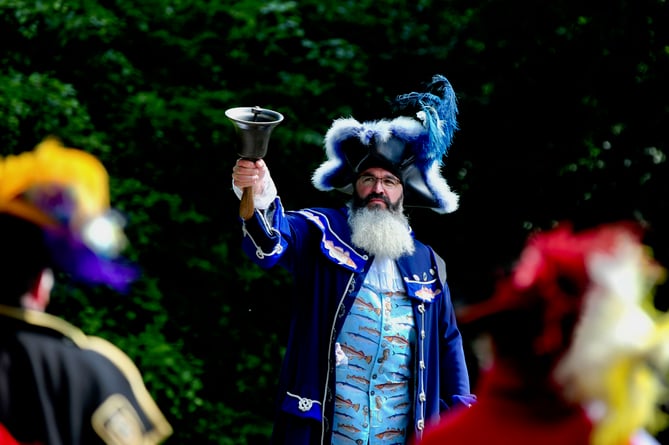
61	387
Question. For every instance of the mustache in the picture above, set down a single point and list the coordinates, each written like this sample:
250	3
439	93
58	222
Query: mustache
371	196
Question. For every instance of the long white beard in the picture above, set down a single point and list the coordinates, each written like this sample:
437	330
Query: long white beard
381	232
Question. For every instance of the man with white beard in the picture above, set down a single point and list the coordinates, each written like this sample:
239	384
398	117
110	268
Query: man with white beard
374	352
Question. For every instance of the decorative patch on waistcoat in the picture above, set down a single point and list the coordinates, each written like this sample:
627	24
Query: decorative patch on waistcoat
117	422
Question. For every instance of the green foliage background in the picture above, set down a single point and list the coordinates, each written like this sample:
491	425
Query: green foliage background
563	115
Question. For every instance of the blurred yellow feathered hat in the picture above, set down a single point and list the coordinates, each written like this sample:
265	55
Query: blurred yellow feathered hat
65	191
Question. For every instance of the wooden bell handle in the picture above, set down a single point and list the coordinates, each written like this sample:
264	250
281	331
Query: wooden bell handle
246	207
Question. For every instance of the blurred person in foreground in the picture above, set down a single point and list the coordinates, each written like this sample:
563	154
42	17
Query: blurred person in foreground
57	385
374	352
579	352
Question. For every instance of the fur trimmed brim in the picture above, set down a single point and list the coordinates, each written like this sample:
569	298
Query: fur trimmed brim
396	145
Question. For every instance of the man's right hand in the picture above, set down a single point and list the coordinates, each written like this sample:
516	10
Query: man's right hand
247	173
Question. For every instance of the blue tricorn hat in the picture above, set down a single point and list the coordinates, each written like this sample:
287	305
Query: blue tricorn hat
412	148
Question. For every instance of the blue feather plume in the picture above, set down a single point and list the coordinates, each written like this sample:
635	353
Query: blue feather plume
437	108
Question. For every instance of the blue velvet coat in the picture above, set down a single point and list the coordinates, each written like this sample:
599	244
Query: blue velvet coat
315	246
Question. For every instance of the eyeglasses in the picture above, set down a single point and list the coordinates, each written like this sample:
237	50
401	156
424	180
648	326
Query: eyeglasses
388	182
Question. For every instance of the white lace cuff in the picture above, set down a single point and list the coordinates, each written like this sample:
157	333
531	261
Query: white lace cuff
263	200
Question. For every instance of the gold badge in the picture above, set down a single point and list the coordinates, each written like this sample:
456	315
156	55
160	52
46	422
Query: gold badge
117	422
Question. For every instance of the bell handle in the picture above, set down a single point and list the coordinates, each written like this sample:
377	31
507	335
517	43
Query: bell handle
246	207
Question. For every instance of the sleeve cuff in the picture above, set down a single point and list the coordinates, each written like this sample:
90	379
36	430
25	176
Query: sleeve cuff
263	200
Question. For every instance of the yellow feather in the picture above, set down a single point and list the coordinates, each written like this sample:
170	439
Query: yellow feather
52	164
